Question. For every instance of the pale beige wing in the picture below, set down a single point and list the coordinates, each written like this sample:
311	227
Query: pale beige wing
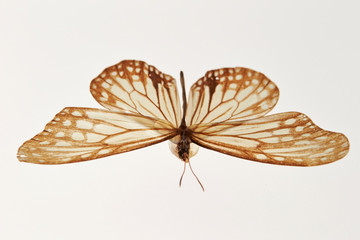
80	134
230	94
287	138
136	87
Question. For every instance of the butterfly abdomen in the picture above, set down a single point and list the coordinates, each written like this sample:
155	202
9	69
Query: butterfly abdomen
182	147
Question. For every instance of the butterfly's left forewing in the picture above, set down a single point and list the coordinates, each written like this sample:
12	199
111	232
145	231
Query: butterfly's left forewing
286	138
80	134
230	94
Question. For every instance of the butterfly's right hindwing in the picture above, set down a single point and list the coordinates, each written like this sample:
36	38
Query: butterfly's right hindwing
80	134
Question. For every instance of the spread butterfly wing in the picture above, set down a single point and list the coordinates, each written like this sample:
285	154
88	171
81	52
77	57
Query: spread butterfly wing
136	87
80	134
230	94
287	138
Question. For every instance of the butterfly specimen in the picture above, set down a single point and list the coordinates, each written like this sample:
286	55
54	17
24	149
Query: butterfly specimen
225	112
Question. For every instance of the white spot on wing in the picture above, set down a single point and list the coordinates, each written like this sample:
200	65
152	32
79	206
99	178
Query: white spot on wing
104	94
93	137
105	85
321	138
282	131
271	140
287	138
279	158
264	93
260	156
106	129
329	150
76	113
104	151
60	134
86	155
83	124
67	123
299	128
62	144
77	136
290	121
303	142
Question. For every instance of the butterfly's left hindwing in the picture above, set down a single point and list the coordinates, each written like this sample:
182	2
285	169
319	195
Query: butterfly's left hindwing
80	134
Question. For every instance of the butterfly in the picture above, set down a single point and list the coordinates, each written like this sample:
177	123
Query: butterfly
226	112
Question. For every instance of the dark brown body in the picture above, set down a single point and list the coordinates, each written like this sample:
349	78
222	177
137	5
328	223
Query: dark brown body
181	145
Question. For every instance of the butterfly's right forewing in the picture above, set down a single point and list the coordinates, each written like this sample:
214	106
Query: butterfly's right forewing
139	88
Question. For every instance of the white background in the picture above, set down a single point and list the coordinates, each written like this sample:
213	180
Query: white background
51	50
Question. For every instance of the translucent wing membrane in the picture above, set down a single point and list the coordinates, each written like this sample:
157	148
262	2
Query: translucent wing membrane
136	87
80	134
230	94
287	138
225	112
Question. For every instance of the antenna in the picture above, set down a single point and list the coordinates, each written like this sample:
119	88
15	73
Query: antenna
182	81
182	175
196	178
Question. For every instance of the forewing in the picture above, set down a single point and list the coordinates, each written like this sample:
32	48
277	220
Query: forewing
230	94
287	138
80	134
137	87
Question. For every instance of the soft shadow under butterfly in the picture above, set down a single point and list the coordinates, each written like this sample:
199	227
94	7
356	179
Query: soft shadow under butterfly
225	112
